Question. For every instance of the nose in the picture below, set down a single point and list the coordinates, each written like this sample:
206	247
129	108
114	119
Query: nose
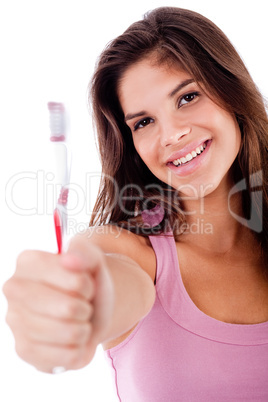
172	135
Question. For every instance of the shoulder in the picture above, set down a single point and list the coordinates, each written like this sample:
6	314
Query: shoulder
113	239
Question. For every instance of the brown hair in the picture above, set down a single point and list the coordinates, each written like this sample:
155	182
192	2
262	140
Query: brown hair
200	48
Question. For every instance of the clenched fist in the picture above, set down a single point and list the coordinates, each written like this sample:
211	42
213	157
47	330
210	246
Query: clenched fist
60	306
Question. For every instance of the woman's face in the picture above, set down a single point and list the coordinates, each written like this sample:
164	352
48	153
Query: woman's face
184	138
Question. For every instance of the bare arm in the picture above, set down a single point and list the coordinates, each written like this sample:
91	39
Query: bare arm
62	307
134	295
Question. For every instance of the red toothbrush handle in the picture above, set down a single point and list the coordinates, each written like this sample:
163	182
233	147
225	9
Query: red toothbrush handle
58	229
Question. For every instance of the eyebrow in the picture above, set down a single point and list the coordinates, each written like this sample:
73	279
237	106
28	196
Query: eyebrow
180	86
183	84
131	116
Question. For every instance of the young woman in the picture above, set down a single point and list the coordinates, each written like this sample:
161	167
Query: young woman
172	276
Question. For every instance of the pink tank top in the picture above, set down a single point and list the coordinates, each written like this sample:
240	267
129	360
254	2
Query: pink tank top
178	353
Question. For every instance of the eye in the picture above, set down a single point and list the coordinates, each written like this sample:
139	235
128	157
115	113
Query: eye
143	123
190	97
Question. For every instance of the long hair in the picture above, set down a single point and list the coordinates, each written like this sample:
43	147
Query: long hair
200	48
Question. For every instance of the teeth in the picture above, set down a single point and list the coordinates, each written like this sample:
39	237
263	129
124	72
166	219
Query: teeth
190	156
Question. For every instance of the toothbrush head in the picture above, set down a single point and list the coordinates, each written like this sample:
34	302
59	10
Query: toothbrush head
57	121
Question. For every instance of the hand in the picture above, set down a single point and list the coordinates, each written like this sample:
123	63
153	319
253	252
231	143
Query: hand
59	306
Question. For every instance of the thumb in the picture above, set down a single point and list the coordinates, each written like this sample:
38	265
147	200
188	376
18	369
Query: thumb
82	255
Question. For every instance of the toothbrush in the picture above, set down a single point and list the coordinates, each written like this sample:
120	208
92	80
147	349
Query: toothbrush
57	117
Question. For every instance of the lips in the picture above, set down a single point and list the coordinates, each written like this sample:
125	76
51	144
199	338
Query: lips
187	153
191	155
188	164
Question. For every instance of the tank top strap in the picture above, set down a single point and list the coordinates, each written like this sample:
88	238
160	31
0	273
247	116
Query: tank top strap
166	255
169	284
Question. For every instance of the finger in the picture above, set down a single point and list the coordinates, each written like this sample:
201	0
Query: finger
47	268
42	299
82	255
48	330
44	357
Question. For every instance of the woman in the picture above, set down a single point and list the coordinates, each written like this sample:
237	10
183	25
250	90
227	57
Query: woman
175	285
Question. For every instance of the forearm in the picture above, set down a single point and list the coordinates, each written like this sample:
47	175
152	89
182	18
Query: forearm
62	306
134	295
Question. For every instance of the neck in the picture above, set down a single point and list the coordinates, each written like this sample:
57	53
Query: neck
211	223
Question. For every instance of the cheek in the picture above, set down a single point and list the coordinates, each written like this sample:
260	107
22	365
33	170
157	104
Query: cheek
137	146
145	148
230	133
210	116
221	124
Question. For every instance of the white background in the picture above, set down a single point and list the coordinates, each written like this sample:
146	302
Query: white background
48	52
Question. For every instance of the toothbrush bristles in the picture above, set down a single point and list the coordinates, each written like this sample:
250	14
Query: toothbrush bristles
57	121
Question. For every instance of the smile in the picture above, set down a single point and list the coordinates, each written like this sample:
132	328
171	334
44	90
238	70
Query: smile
192	161
191	155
